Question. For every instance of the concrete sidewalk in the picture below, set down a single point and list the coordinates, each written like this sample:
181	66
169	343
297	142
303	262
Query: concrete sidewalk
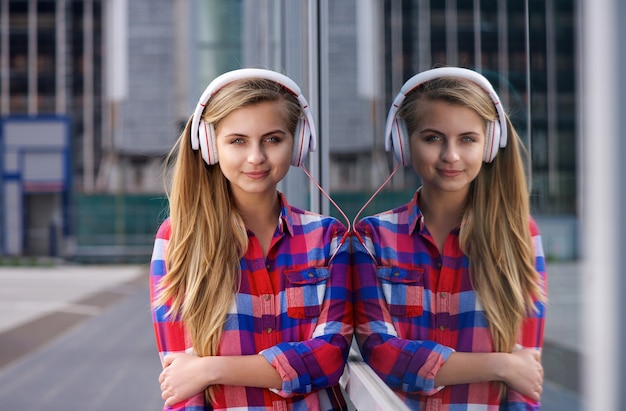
28	293
80	338
77	338
562	348
37	303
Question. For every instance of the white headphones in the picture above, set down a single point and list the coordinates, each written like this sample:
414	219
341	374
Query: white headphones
397	136
203	133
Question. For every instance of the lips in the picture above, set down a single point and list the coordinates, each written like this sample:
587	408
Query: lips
256	175
449	173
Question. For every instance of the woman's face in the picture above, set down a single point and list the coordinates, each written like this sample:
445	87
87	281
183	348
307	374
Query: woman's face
254	148
447	146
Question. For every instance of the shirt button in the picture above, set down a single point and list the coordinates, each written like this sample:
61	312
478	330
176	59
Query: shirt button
396	274
444	294
267	267
266	297
311	274
438	265
269	330
442	327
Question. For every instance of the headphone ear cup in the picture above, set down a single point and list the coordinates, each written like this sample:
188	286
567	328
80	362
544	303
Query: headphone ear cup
493	134
301	141
208	145
400	142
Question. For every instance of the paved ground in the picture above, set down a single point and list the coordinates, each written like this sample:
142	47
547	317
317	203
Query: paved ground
80	338
563	339
77	338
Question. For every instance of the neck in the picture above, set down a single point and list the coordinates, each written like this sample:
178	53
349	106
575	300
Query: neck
441	207
258	211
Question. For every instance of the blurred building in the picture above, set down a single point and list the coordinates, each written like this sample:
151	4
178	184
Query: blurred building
123	76
52	117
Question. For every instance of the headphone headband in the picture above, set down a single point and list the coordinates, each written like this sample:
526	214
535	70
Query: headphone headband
305	129
498	140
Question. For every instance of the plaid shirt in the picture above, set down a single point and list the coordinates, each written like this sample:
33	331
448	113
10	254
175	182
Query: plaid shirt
292	307
417	306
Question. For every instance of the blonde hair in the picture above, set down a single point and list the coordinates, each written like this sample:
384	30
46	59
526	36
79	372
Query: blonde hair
494	232
208	236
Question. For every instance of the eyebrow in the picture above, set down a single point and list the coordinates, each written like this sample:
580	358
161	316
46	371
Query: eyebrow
269	133
425	130
277	131
434	130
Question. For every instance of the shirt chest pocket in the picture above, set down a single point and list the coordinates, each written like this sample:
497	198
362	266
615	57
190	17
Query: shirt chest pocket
403	290
305	291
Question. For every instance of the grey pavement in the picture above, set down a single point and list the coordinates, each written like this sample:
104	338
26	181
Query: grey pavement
563	339
80	338
83	341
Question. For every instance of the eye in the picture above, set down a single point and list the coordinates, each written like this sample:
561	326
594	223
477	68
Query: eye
470	138
431	138
237	140
273	139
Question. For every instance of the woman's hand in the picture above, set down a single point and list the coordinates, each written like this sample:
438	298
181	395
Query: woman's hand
520	370
524	373
183	376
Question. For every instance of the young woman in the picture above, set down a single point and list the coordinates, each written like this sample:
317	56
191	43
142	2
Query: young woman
449	288
249	294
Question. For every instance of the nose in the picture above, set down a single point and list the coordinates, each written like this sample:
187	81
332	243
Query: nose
256	154
449	152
